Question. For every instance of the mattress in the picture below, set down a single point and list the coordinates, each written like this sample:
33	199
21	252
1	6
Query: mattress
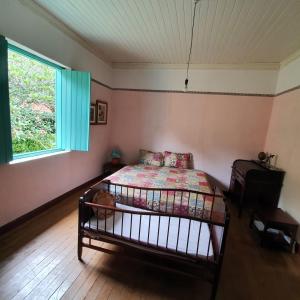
183	203
193	236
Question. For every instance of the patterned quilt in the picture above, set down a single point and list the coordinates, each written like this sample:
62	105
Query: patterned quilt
178	202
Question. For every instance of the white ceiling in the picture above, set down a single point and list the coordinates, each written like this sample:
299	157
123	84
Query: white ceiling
158	31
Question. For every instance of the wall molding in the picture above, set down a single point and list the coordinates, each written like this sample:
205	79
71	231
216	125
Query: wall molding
195	92
101	83
289	59
37	211
179	92
287	91
43	13
14	43
151	66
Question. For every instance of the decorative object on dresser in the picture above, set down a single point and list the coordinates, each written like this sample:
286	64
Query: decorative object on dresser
265	158
101	109
275	227
110	168
255	184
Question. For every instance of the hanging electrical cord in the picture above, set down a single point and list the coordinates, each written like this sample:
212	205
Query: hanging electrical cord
186	82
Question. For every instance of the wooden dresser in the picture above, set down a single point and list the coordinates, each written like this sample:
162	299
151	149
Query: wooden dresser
255	184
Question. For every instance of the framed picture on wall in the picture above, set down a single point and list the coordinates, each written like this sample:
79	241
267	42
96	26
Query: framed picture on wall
101	108
93	114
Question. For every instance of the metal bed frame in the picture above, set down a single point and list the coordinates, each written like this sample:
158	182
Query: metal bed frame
217	220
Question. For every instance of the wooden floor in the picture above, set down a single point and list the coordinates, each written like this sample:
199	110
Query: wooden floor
38	261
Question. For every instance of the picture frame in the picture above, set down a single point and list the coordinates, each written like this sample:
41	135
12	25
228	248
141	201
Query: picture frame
93	114
101	112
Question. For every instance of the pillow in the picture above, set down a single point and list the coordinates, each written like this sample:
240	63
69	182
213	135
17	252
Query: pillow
151	158
177	160
103	198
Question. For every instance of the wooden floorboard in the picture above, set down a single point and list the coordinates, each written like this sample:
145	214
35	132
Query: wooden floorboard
38	260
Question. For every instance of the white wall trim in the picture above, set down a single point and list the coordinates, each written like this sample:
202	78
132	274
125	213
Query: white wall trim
234	81
290	59
289	75
252	66
40	11
12	42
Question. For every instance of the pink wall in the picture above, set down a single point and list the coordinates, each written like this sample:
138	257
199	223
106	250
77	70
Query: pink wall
28	185
216	128
283	140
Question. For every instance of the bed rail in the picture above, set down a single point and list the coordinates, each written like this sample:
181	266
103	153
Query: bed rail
183	225
206	206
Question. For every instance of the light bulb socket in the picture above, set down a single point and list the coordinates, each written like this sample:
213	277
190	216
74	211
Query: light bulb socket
186	83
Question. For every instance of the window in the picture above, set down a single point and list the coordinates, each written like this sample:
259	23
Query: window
43	107
32	103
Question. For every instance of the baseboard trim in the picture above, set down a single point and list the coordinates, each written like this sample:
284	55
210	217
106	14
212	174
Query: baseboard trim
24	218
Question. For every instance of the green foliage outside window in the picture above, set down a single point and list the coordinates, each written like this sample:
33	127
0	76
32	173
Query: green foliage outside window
32	104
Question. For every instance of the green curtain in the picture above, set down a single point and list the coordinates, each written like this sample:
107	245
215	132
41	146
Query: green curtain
5	128
73	109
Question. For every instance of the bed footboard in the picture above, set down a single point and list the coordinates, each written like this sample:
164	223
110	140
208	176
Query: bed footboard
190	234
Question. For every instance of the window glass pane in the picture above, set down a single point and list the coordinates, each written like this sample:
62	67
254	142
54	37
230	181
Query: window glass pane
32	103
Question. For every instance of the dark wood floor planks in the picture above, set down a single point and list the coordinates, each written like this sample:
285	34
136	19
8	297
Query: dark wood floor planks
38	261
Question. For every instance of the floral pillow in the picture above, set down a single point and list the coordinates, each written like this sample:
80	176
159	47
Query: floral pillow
151	158
177	160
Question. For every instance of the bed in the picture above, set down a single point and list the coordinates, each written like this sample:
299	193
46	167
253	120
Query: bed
196	200
174	213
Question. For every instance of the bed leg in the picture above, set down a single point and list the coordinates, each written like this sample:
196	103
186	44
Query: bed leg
79	243
79	248
215	286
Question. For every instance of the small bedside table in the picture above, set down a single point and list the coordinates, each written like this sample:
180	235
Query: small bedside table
109	168
275	226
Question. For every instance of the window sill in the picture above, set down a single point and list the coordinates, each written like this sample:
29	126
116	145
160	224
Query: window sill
19	158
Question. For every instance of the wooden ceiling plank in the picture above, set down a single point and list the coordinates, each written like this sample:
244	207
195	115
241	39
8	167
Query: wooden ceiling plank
155	31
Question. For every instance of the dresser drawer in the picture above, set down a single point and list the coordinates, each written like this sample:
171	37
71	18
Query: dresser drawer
238	176
255	184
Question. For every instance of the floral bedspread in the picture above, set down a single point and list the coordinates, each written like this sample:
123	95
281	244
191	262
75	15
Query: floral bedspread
178	202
